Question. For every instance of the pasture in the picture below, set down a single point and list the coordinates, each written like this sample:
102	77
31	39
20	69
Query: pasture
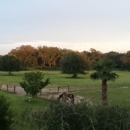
118	91
59	79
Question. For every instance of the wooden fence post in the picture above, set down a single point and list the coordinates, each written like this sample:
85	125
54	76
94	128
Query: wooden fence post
7	87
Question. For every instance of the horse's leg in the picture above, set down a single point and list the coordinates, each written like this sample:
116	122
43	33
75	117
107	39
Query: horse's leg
68	99
64	99
59	98
72	99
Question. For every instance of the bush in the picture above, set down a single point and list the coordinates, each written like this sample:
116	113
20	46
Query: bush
83	116
32	82
112	118
6	116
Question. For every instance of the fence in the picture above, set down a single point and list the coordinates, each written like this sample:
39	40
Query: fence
63	88
13	89
83	88
48	92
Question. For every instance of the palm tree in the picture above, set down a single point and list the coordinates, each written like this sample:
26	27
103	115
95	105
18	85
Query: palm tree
104	72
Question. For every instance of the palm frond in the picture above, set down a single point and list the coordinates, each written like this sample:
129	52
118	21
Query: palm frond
104	70
94	76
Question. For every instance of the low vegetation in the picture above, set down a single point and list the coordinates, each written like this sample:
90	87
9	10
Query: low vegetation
6	114
82	116
18	104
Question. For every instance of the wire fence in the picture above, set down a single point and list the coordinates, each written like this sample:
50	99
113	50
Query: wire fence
48	92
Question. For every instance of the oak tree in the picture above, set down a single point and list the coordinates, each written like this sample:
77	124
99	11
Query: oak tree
73	64
9	63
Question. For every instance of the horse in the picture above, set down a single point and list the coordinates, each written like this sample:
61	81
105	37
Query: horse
66	97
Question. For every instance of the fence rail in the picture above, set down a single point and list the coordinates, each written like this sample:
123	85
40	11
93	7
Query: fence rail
48	91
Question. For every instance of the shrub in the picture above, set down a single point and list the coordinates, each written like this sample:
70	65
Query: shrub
112	118
32	82
82	116
6	115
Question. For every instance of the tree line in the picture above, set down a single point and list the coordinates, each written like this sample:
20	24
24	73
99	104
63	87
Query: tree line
44	56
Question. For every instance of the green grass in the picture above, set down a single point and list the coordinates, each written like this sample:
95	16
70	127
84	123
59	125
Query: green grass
18	103
120	96
116	93
59	79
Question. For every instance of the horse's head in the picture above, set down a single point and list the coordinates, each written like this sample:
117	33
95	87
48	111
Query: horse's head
60	96
66	96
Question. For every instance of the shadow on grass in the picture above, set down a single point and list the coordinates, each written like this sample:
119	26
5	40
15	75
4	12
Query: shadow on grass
12	74
74	78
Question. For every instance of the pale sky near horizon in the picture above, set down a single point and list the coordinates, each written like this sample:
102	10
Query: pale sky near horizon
74	24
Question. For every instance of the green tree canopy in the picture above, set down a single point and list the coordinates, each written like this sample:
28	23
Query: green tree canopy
104	72
32	82
9	63
73	64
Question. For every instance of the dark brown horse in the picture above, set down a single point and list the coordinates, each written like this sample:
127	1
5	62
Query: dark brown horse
66	97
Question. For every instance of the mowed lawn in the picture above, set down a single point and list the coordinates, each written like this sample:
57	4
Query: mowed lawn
59	79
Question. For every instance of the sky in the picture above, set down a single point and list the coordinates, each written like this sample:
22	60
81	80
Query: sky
73	24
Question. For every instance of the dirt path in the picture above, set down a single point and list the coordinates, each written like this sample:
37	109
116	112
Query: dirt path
50	93
45	93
